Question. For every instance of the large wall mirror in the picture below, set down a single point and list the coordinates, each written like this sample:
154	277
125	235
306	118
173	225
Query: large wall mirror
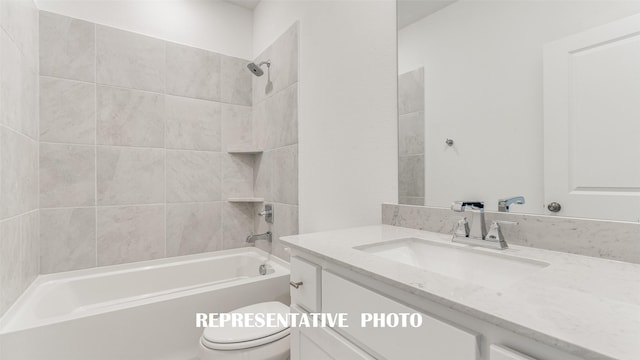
539	99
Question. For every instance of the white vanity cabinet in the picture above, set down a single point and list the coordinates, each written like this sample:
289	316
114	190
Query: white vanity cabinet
444	334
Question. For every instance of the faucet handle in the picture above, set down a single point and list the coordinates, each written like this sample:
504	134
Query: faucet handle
495	233
461	228
460	206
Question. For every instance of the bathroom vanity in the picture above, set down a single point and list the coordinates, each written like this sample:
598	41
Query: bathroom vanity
475	304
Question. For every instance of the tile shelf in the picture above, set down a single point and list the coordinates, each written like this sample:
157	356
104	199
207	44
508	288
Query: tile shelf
246	151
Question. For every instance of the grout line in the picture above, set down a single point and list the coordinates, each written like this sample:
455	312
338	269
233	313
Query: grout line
37	105
128	205
95	138
19	133
13	217
131	147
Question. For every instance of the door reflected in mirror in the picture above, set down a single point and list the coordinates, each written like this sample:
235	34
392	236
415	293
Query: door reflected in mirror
521	98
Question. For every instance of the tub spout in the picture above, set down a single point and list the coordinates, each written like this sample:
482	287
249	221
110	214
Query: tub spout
252	238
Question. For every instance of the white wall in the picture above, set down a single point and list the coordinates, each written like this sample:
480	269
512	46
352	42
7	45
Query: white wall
483	88
347	106
208	24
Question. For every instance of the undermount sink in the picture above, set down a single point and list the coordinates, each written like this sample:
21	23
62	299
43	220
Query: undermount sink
484	268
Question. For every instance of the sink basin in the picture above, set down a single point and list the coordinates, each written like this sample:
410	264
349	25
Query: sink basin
484	268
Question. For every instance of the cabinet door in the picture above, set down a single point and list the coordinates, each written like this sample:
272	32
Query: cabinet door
322	344
503	353
306	278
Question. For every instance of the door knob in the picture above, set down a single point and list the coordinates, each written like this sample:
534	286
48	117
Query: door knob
554	207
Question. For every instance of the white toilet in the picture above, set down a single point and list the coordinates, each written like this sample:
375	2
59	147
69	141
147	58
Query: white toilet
266	343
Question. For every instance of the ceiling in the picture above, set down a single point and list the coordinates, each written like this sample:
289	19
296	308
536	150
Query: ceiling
247	4
410	11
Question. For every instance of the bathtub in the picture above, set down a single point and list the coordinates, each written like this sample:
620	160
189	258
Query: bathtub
143	310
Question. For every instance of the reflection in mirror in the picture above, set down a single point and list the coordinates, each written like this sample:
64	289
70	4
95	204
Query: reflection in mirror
499	99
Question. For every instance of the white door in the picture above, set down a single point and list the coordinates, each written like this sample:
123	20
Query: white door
592	122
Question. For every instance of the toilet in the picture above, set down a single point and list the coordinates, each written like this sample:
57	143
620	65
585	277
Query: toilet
266	343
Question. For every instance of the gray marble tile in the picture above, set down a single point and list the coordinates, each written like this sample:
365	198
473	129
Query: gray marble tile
129	60
67	239
597	238
130	233
10	282
193	124
262	169
130	176
237	128
193	176
411	179
129	117
18	89
283	54
19	19
235	85
262	86
30	249
409	200
237	175
67	111
411	134
237	219
67	175
193	72
67	47
260	226
284	180
411	91
19	180
287	224
282	118
194	228
260	124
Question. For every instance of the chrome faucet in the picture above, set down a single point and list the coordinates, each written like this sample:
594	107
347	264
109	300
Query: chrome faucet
251	239
476	233
504	204
477	229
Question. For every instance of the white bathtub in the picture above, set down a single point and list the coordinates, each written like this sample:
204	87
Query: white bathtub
139	311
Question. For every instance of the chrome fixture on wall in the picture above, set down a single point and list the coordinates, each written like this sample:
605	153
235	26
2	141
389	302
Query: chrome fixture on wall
251	239
267	213
256	70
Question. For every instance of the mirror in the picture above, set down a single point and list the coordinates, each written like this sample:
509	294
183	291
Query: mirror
538	99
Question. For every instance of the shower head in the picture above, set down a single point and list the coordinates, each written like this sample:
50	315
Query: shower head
255	69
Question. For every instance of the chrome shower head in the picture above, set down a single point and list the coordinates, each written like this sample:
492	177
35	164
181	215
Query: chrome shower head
256	70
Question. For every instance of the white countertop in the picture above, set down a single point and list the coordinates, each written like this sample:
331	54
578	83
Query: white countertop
586	306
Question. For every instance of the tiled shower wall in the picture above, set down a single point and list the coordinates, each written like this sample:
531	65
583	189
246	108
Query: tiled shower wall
133	133
411	137
19	247
275	123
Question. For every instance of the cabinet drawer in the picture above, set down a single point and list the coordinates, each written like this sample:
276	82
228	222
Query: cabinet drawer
435	339
503	353
306	295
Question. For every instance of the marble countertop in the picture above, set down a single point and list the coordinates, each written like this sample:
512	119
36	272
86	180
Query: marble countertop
585	306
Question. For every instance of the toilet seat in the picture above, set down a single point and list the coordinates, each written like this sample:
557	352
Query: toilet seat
236	338
245	344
